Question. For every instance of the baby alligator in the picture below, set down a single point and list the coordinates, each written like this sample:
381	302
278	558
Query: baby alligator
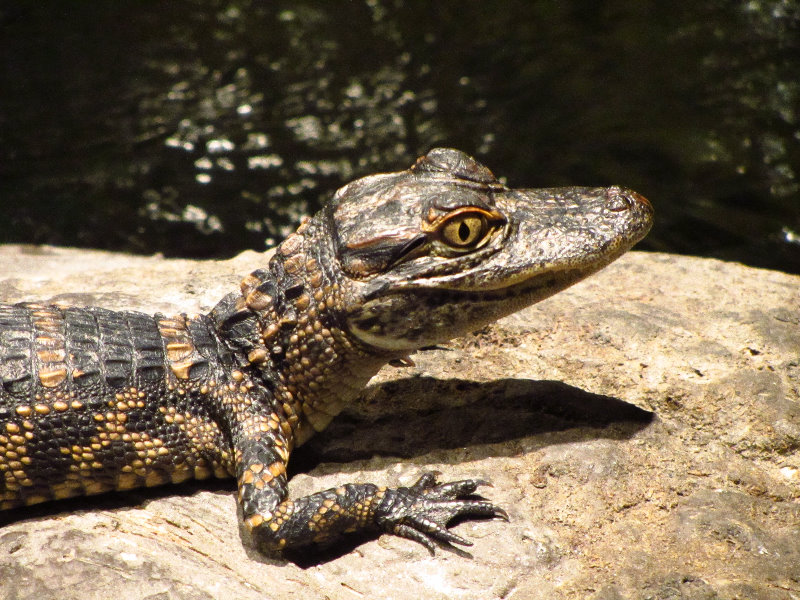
93	400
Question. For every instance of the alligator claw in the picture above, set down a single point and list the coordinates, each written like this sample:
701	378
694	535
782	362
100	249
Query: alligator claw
422	512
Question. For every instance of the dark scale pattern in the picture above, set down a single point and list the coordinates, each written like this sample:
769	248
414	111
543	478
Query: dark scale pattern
93	400
102	407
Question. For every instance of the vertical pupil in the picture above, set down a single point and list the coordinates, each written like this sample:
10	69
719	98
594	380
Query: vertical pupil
463	231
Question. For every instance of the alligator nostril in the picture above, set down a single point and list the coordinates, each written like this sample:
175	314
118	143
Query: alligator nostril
618	200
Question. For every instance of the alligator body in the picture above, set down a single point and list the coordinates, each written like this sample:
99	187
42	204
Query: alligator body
93	400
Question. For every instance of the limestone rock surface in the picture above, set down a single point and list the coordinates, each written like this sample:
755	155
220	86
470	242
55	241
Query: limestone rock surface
642	429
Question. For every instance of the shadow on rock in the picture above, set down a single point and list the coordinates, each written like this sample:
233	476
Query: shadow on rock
462	413
412	417
114	500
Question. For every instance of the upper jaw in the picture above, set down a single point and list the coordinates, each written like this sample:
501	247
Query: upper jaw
568	233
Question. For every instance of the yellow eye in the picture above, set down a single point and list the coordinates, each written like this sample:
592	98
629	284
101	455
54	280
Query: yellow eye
464	230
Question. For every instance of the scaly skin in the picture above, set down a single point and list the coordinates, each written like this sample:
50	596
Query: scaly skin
93	400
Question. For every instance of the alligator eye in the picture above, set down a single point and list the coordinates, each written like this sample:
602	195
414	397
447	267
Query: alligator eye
464	230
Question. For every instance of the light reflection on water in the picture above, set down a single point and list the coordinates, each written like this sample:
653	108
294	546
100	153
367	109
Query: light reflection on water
200	130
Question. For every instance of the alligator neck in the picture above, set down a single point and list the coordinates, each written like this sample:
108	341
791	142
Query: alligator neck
285	325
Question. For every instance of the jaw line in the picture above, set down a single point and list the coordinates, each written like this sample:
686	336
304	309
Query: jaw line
525	292
570	273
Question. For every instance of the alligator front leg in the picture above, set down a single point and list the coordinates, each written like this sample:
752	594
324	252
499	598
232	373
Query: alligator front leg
420	512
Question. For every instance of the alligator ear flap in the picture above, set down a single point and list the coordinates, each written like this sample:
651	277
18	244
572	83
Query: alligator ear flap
453	163
379	254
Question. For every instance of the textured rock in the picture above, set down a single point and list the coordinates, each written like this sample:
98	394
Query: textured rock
642	429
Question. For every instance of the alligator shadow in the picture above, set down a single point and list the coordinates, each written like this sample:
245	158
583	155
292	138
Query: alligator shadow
462	413
468	413
109	501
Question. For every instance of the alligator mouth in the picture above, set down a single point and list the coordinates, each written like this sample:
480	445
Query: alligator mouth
541	276
538	286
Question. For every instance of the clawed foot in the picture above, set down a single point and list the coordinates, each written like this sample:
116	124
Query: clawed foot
422	511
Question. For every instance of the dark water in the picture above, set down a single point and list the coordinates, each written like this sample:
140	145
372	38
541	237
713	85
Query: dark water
200	128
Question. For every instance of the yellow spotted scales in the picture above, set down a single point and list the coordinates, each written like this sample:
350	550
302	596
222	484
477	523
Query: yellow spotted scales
93	400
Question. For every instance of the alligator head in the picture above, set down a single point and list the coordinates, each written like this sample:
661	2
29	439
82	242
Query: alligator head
444	248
